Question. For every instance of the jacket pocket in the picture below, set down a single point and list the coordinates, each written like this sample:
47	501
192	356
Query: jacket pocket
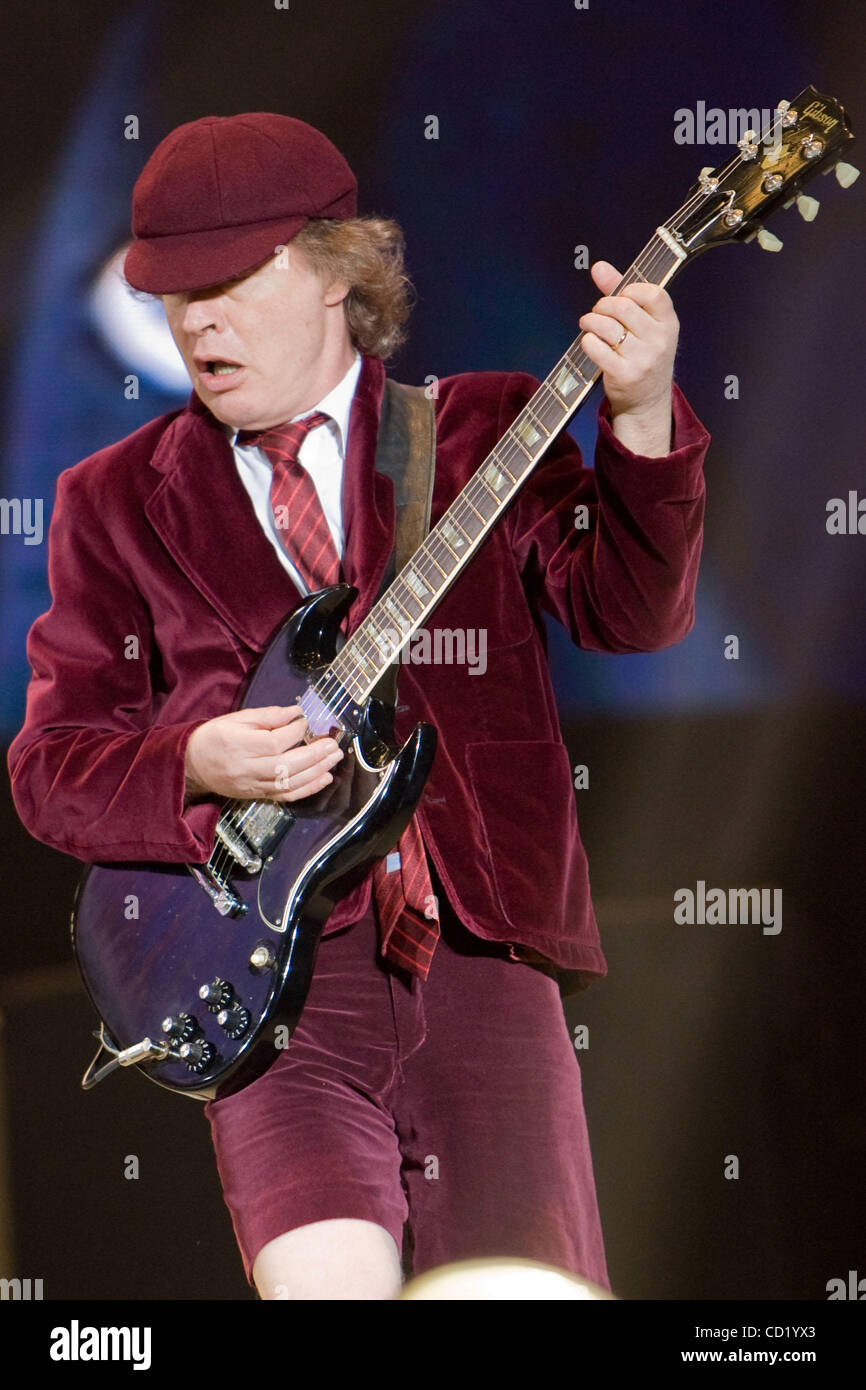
524	795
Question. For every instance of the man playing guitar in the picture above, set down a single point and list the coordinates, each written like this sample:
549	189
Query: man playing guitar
428	1107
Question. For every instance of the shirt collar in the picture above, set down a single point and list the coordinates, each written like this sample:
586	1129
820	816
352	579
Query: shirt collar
337	403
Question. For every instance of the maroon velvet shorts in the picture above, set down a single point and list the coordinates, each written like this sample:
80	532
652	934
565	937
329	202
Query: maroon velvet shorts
448	1112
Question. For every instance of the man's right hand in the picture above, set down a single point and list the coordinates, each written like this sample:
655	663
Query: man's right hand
252	754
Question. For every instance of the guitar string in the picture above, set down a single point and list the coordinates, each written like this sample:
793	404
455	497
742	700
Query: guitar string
647	261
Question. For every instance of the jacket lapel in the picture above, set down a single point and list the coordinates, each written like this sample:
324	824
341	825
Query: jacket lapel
204	517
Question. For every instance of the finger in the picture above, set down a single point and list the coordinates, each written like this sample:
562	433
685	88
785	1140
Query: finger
605	275
298	759
289	775
276	741
270	743
291	789
298	793
609	330
271	716
296	783
612	317
601	353
653	299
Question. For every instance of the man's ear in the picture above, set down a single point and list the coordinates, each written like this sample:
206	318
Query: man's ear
336	292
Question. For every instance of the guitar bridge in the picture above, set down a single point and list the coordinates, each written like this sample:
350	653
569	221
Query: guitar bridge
218	889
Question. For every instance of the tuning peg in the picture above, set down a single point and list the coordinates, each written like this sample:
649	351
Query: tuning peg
846	174
767	241
787	115
807	207
707	169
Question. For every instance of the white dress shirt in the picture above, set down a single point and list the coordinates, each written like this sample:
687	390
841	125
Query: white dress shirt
322	454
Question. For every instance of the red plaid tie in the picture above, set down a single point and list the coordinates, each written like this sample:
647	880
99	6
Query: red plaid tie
295	502
408	910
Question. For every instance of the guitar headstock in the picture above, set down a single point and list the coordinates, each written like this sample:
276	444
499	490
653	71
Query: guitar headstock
806	137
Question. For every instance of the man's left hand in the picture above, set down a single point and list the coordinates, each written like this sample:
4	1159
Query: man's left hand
638	368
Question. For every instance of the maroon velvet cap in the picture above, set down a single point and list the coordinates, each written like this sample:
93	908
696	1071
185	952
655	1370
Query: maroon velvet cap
219	195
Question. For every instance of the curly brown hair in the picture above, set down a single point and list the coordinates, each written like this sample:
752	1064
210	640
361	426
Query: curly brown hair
368	252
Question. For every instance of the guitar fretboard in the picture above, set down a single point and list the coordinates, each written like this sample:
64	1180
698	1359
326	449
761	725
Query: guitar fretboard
452	542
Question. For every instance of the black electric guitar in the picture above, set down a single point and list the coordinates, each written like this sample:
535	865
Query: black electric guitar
199	972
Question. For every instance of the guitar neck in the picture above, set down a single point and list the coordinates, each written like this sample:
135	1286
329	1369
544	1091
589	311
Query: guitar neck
453	541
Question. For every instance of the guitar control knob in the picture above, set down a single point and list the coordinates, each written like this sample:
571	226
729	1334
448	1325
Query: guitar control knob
262	958
217	995
198	1055
235	1020
180	1028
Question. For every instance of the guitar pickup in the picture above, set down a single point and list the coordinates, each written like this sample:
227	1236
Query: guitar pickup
262	825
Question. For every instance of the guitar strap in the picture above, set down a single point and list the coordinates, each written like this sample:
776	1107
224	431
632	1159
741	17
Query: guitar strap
405	453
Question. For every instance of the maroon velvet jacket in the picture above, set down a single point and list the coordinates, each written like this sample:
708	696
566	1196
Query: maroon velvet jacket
155	538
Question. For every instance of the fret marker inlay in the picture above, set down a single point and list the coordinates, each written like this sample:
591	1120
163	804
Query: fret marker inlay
495	478
528	433
565	382
451	534
416	584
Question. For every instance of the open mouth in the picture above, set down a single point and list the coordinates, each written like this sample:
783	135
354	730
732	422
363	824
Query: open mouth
218	373
217	367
